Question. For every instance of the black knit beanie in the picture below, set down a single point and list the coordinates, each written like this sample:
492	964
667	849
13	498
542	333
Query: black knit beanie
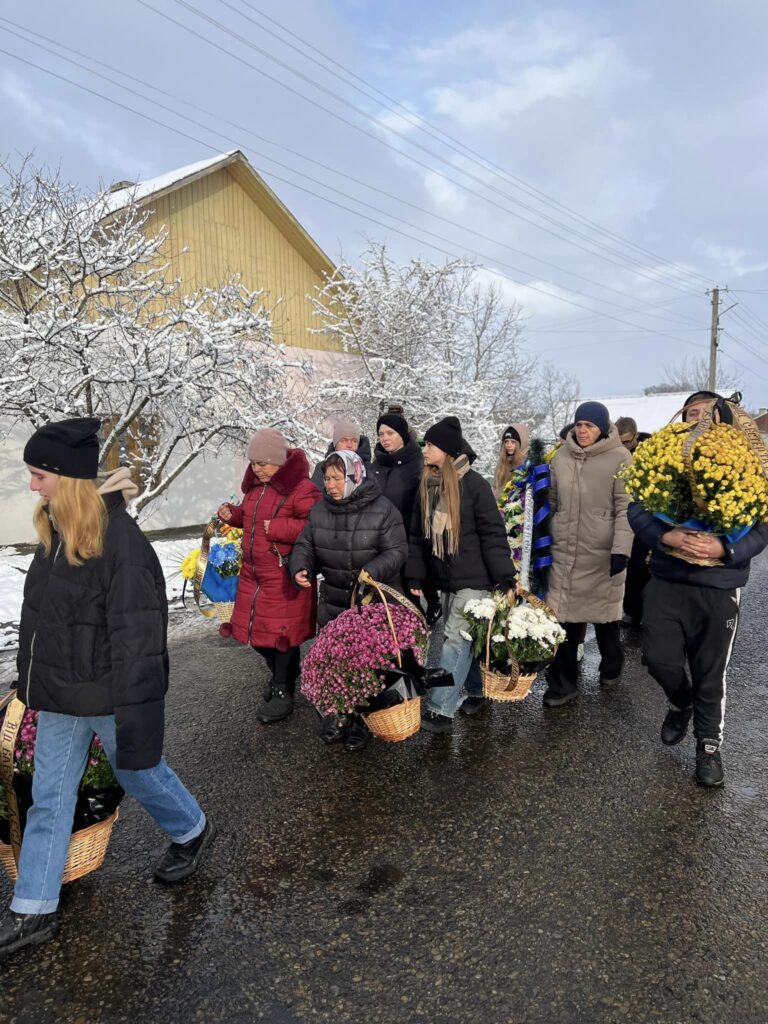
67	448
510	434
396	422
446	435
594	412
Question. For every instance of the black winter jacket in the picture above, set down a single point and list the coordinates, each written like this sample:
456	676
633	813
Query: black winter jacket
398	476
483	559
363	450
734	572
93	637
364	531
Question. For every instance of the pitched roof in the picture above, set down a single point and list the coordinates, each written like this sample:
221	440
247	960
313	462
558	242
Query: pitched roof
250	181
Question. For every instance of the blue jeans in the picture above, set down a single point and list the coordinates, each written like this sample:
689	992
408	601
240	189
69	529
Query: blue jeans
61	752
456	657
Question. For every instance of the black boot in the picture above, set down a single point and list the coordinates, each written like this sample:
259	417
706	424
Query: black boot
180	860
333	728
278	705
472	705
709	763
357	735
19	930
675	725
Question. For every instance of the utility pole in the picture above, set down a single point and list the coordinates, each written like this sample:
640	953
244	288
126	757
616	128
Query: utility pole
714	338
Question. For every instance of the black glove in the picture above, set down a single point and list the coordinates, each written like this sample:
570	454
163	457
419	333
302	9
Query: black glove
618	564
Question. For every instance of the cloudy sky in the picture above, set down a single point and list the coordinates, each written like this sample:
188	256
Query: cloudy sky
607	163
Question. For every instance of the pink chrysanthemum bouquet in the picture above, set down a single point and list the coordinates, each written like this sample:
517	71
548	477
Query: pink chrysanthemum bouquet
346	664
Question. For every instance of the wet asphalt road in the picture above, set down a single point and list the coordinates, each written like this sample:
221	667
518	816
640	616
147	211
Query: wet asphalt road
535	868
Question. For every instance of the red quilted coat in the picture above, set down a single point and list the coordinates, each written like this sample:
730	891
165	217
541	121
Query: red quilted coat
269	610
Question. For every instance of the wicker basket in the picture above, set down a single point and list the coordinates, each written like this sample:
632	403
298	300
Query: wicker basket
514	685
499	686
87	850
224	610
396	723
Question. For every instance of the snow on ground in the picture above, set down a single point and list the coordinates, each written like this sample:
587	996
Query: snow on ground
13	570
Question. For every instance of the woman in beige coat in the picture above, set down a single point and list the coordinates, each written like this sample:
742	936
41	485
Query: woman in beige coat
591	543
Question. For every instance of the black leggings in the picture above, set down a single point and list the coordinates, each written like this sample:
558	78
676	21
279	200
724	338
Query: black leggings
284	665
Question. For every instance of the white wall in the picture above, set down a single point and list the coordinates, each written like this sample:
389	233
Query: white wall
17	502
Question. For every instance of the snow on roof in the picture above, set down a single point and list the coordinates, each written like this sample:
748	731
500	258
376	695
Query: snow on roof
650	412
144	189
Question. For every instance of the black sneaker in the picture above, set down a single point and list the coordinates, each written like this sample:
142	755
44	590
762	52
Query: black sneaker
609	681
277	706
181	859
675	725
709	763
472	705
19	930
431	721
555	699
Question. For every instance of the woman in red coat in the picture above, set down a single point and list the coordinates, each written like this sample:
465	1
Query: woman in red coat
270	613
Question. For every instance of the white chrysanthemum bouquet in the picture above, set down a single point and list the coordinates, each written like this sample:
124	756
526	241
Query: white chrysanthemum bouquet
519	630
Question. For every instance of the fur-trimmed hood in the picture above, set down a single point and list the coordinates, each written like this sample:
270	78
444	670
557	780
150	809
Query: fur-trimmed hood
291	473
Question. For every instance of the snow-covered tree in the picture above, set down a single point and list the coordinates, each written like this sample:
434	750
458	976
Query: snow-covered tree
90	324
438	339
429	337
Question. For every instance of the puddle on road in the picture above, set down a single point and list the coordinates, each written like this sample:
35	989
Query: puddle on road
380	878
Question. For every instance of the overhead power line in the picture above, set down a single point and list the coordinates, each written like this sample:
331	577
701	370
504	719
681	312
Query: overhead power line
416	238
659	278
423	124
152	100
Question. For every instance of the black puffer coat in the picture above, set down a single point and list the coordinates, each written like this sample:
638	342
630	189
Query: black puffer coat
483	559
93	637
363	450
398	476
364	531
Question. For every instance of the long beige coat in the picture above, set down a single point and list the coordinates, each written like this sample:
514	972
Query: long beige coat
589	524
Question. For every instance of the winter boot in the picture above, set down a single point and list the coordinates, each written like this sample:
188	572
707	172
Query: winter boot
675	725
709	764
18	930
278	705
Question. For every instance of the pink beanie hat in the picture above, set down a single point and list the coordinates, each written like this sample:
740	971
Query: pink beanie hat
268	446
345	428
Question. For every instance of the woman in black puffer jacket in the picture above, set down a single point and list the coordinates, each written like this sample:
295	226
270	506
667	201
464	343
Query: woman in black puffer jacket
353	528
458	544
93	658
397	463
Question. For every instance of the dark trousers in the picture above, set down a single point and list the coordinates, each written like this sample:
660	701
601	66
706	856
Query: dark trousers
563	673
698	624
284	666
637	577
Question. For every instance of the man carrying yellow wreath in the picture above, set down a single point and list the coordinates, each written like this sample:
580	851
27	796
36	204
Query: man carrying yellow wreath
691	604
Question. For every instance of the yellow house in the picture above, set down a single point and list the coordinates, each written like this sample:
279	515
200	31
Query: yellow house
221	218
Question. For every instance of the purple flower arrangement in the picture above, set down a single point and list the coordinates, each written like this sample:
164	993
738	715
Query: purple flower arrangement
98	771
345	667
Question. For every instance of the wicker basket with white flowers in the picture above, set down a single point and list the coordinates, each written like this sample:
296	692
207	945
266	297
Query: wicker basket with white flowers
515	636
